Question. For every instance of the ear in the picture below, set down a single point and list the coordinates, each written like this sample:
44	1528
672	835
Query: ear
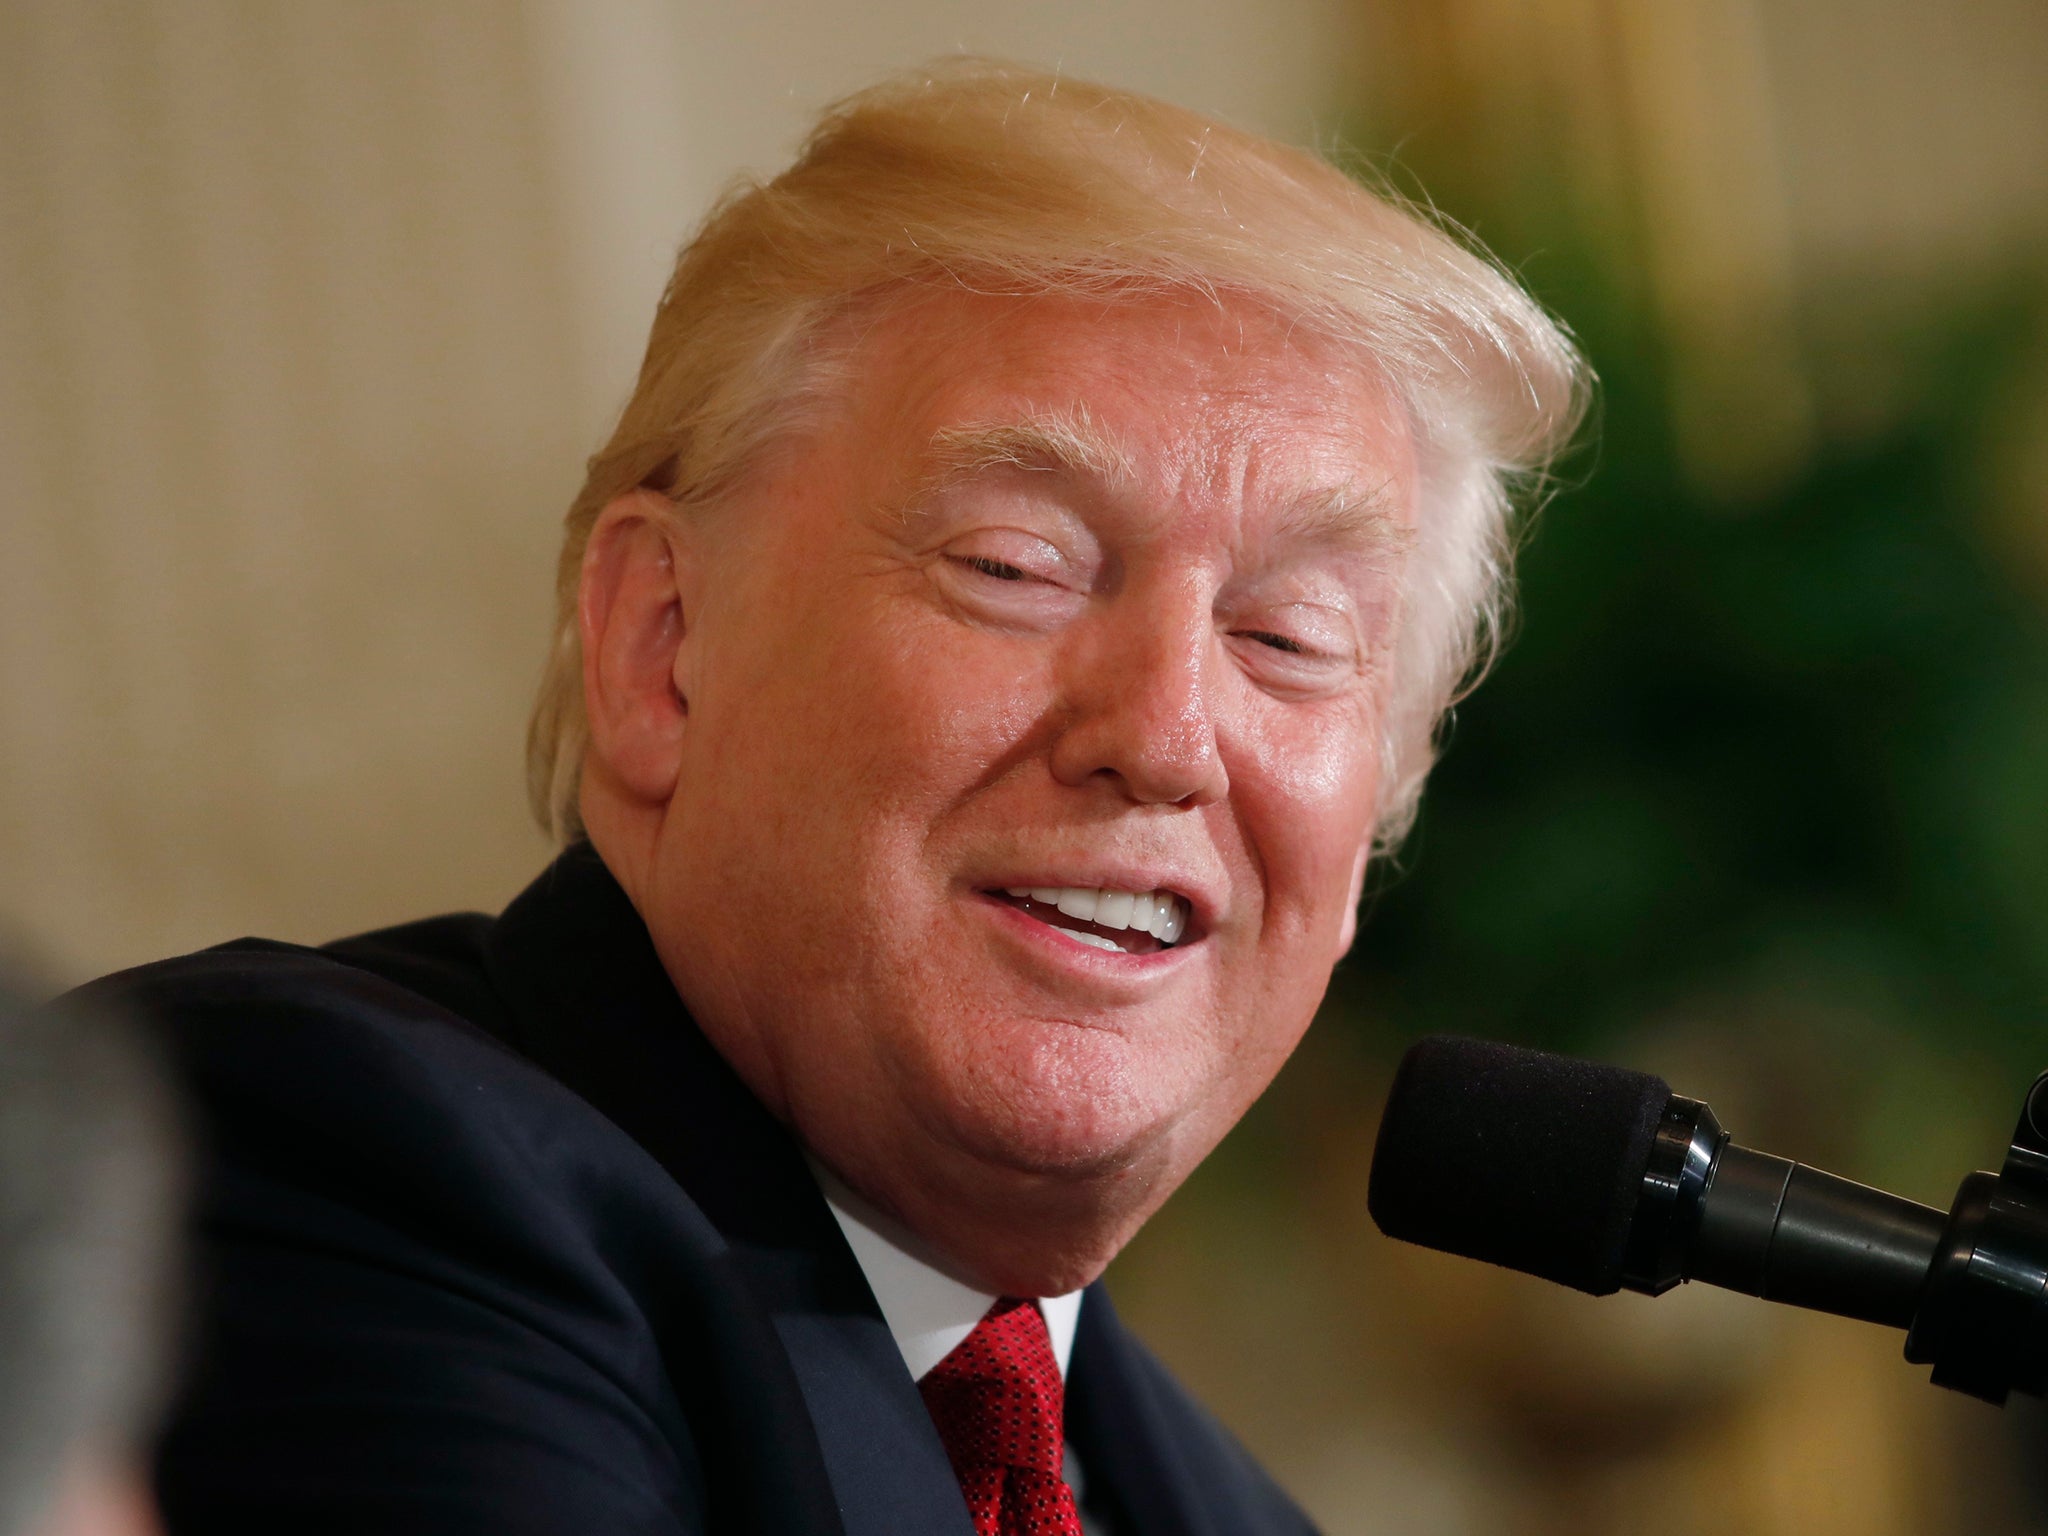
635	600
1349	932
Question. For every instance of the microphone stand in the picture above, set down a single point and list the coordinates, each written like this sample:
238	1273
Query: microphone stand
1982	1322
1970	1288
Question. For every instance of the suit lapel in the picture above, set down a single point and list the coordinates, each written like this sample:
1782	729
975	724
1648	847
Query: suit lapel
594	1007
1124	1436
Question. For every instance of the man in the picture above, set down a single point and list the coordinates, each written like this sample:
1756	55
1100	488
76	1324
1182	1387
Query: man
89	1183
1016	597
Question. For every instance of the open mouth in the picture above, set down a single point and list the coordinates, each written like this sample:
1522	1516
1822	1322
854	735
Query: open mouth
1123	922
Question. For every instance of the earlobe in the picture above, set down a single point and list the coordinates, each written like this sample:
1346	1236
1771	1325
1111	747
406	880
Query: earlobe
635	627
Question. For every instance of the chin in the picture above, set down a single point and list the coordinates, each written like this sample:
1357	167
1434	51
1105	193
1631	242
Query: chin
1061	1102
1107	1147
1034	1271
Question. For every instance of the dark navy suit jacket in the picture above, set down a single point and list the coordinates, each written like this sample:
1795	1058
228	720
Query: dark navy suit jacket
494	1244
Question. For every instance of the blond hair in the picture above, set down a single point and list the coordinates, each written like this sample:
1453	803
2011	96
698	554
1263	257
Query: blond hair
1002	178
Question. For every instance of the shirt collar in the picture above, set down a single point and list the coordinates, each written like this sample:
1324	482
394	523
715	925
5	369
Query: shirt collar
927	1310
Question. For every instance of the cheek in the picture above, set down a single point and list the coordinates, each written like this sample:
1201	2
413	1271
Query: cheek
875	723
926	712
1308	802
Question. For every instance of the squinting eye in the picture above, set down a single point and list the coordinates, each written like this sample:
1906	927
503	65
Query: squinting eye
988	565
1276	642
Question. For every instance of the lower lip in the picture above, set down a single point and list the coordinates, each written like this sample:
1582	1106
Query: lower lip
1048	940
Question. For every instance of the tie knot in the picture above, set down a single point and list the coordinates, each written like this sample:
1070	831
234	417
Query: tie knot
998	1399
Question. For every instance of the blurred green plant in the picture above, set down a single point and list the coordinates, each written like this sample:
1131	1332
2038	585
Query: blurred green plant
1797	744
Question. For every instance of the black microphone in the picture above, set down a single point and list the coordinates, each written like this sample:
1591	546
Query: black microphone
1604	1179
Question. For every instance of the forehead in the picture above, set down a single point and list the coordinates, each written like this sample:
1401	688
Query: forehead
1181	397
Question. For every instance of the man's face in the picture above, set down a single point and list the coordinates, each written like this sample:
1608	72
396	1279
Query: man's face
1065	597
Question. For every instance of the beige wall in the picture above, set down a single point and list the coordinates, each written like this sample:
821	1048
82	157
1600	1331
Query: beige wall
308	315
280	427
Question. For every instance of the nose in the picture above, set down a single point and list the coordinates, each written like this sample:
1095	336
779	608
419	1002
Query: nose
1140	700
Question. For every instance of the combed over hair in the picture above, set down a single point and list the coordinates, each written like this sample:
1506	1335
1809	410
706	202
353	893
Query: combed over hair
1008	179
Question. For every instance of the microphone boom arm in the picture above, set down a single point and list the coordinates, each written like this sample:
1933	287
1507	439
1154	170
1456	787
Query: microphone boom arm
1775	1228
1982	1322
1970	1287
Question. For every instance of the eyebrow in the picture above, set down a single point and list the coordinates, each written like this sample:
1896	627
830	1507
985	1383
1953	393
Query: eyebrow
1058	442
1071	443
1362	517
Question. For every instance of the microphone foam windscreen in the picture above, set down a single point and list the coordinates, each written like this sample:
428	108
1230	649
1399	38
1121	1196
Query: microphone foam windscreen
1517	1157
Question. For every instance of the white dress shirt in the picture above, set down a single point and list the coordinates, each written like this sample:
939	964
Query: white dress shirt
927	1310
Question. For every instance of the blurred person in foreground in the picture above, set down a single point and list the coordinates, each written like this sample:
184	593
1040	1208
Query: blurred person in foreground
90	1181
1014	604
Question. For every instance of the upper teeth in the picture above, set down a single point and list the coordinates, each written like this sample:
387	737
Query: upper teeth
1159	913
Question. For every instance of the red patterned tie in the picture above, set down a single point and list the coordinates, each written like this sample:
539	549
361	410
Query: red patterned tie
998	1402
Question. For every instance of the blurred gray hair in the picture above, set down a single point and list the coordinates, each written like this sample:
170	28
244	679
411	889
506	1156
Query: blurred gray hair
91	1193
